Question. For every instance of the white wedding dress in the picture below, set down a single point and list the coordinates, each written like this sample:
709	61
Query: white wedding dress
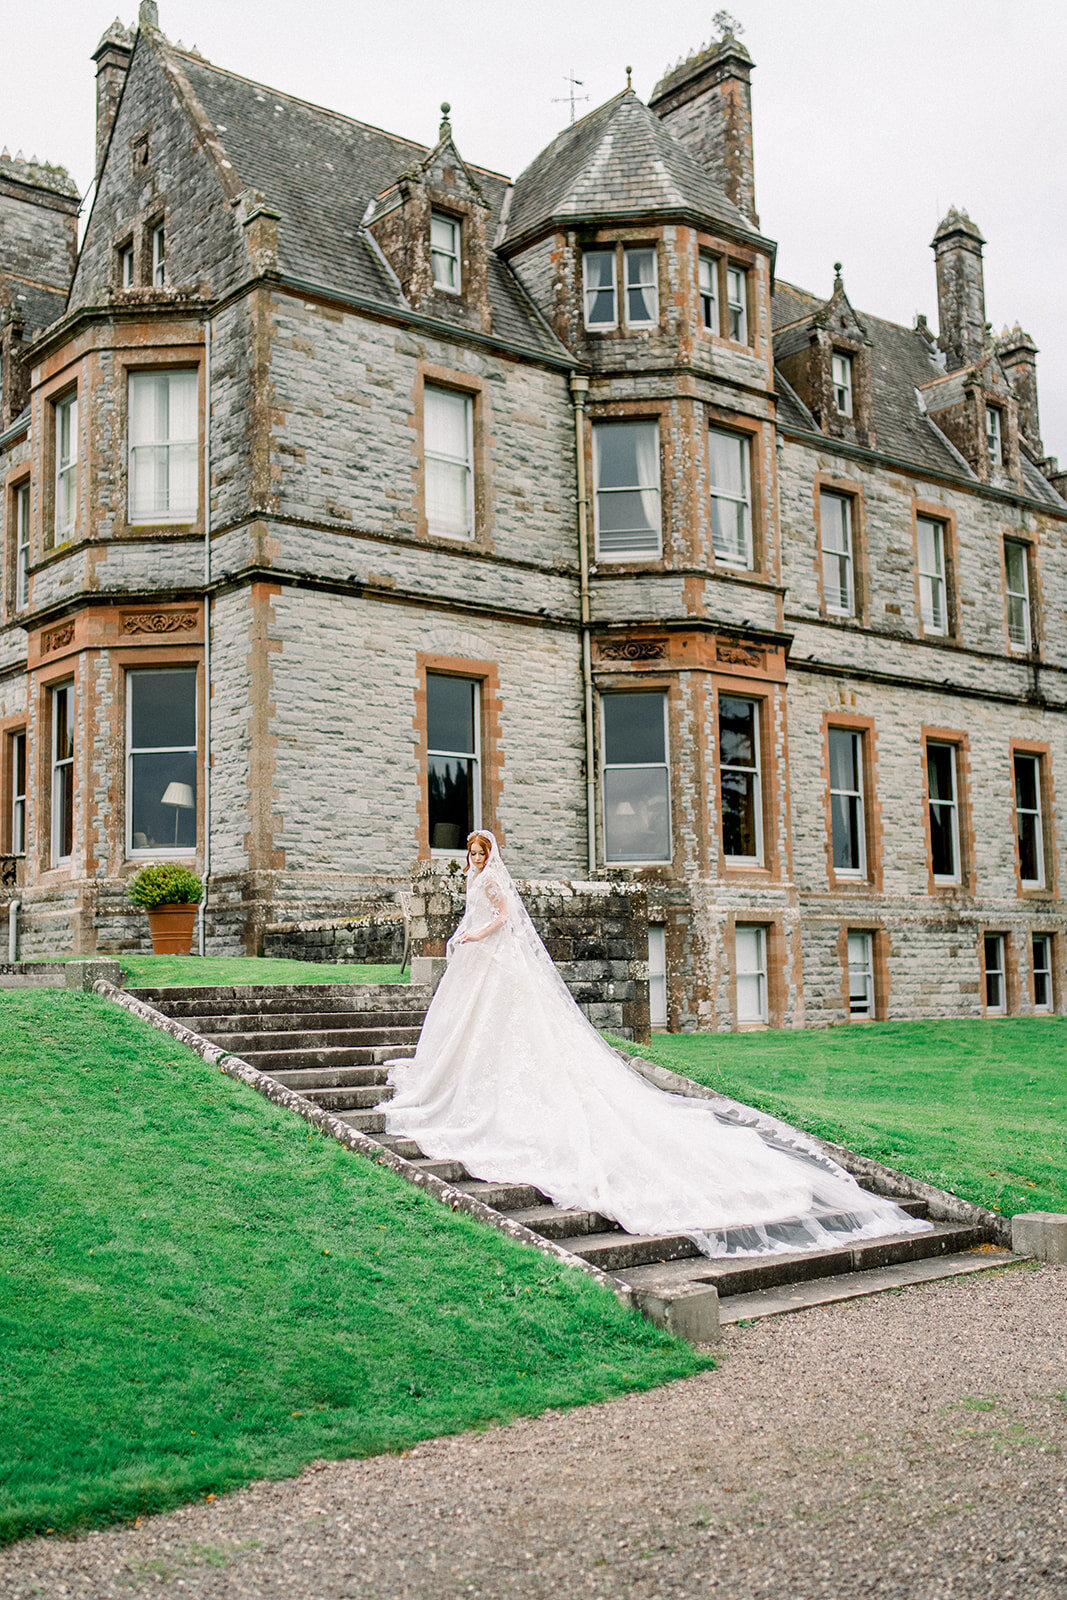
511	1079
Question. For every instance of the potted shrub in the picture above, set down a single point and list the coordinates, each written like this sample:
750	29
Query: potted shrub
170	894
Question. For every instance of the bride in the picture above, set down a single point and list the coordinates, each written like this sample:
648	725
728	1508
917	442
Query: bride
510	1079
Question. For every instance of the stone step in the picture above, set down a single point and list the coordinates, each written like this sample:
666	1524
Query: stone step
353	1099
330	1078
448	1171
503	1196
240	1044
751	1274
220	997
402	1147
278	1024
852	1285
553	1222
275	1061
372	1122
617	1252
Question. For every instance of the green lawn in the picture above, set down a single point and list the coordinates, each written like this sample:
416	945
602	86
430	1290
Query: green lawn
196	1291
152	972
978	1108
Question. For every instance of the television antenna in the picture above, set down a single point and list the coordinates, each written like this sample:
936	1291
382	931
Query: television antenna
570	98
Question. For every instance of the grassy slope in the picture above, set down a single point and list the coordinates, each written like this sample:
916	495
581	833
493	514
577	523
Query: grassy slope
195	1291
978	1108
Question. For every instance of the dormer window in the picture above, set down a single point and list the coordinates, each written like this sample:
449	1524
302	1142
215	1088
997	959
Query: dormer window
842	379
159	256
642	294
994	436
737	304
598	268
445	252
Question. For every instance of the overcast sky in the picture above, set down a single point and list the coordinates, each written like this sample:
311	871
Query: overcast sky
871	117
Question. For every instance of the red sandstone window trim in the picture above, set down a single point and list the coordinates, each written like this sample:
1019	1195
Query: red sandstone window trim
486	675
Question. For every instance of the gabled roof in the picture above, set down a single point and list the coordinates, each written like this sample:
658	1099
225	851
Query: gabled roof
319	170
618	161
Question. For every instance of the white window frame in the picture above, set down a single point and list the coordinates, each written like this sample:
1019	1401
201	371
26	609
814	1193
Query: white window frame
1018	599
159	255
179	514
650	285
474	756
126	265
65	417
451	257
841	375
590	292
60	766
657	974
22	545
841	521
758	972
638	553
994	434
455	461
854	798
860	963
1043	970
756	771
607	766
19	759
1034	812
956	876
737	303
708	291
998	971
745	562
933	585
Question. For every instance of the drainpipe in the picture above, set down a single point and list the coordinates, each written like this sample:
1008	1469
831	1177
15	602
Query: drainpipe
201	915
579	390
13	930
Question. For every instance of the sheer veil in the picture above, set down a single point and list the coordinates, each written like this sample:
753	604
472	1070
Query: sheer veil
517	924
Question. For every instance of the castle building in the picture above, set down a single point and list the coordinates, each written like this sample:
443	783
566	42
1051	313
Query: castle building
354	496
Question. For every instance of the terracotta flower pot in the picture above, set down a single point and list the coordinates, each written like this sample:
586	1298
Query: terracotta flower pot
171	928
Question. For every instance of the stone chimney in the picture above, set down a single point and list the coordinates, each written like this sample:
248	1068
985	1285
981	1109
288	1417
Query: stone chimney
957	247
112	57
706	102
1018	357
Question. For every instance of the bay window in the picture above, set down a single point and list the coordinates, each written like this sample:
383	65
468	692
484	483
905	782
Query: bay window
740	780
637	812
62	707
627	499
598	271
642	293
161	745
731	497
66	467
164	447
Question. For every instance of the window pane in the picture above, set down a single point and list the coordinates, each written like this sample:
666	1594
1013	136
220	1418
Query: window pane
729	463
451	796
739	834
737	731
636	813
162	709
634	731
844	759
1026	782
447	485
163	800
445	418
450	712
845	814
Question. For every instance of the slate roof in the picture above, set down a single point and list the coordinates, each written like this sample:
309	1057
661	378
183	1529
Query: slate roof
38	307
618	161
319	169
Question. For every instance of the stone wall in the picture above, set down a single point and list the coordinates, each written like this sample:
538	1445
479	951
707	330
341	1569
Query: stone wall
596	933
373	938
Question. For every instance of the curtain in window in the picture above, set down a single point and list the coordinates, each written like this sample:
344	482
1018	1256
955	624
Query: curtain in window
447	423
731	517
628	507
163	445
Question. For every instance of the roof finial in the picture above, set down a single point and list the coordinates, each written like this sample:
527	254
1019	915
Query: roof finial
629	71
445	129
839	282
728	26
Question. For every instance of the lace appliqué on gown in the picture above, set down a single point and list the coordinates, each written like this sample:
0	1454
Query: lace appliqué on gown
511	1079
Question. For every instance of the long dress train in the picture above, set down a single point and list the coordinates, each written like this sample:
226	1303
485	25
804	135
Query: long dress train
511	1079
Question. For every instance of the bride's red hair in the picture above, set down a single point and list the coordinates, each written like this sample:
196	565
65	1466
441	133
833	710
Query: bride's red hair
479	838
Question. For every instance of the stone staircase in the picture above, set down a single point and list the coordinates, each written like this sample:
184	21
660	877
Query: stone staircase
329	1044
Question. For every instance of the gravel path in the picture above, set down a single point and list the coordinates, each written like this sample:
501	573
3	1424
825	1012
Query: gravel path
907	1447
